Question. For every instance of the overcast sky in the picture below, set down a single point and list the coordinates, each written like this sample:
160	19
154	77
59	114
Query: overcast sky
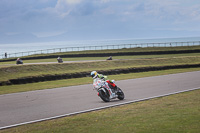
54	20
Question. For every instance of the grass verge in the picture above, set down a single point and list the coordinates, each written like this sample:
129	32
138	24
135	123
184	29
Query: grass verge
14	72
175	113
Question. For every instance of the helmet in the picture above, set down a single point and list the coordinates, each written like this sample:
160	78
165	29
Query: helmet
94	74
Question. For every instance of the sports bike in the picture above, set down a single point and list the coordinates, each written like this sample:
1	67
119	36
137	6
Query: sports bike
106	91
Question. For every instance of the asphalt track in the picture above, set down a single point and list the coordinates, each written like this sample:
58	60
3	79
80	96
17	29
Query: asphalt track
33	106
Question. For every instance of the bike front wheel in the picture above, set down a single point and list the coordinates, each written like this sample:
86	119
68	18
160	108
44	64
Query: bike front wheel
104	96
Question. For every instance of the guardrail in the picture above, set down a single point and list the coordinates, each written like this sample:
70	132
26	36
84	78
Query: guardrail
102	47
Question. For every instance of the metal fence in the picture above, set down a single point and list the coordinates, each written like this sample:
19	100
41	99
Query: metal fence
102	47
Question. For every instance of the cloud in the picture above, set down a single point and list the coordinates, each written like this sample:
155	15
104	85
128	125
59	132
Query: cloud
53	17
106	1
161	11
64	7
73	1
48	34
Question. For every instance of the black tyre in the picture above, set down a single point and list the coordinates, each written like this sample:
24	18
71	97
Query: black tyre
120	94
104	96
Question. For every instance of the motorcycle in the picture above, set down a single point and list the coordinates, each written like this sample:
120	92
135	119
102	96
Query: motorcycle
105	92
19	61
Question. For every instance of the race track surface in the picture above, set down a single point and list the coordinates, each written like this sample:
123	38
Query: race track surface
35	105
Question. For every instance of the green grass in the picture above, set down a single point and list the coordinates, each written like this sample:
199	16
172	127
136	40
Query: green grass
178	113
86	80
18	71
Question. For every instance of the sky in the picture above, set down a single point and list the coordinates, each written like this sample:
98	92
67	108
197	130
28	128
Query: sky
63	20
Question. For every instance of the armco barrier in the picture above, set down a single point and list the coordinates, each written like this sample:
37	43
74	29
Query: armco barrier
42	78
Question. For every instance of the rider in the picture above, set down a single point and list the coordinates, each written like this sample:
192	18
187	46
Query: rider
94	75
